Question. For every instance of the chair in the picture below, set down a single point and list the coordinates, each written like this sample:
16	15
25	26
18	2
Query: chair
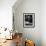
29	43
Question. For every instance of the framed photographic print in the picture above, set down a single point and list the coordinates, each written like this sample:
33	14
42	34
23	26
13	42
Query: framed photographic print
29	20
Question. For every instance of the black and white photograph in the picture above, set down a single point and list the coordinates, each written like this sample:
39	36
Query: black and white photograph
29	20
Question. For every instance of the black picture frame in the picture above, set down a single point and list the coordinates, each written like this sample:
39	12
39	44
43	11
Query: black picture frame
28	20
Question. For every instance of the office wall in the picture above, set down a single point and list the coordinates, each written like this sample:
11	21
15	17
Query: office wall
28	6
43	22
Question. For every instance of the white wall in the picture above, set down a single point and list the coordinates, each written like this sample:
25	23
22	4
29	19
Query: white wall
43	22
6	13
29	6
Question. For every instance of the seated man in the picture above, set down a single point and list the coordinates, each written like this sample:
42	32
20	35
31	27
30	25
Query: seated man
18	39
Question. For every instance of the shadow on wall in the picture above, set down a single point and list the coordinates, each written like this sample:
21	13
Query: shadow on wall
36	40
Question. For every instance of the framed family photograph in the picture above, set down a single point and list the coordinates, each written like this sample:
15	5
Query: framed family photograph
29	20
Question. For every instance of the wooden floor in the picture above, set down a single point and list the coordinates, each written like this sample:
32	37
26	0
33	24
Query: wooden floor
9	43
